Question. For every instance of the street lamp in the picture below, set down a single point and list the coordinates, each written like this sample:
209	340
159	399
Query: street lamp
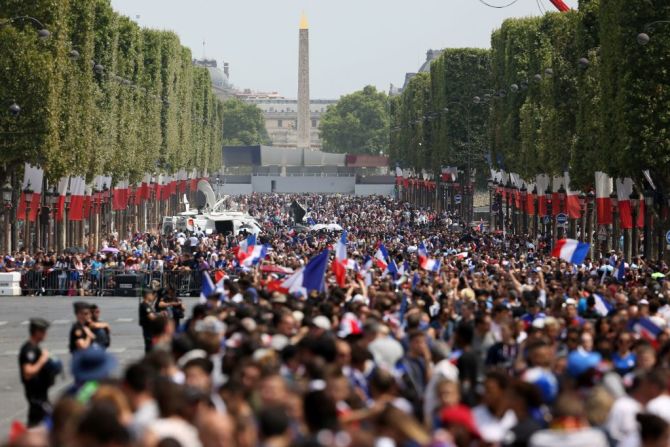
648	229
7	199
28	197
614	202
490	184
582	209
524	214
7	194
508	200
14	109
643	38
98	68
42	32
561	199
535	199
547	198
635	208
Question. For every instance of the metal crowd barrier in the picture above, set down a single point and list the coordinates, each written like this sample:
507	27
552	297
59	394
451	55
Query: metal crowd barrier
107	282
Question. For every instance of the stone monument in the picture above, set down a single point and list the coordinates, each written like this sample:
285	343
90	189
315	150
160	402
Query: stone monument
304	122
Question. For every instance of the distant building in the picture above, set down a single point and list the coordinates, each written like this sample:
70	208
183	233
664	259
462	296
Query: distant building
281	117
280	113
223	89
431	55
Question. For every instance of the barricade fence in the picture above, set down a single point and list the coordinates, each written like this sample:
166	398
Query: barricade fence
108	282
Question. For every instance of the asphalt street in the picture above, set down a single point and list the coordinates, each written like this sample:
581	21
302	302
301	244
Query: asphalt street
126	345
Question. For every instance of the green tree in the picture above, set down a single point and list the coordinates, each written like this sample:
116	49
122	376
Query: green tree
358	123
243	124
101	95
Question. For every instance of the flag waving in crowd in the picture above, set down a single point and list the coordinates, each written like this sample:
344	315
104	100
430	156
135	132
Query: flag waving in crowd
339	265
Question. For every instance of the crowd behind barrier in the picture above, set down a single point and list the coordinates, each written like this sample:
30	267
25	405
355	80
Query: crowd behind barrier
107	282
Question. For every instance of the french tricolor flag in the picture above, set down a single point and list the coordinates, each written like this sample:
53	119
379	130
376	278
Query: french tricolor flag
432	265
120	195
542	183
381	257
77	193
258	253
308	278
647	330
339	264
62	191
367	264
421	251
574	209
207	288
604	189
425	262
251	253
571	250
32	180
603	307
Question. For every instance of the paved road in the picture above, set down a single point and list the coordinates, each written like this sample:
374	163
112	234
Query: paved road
121	313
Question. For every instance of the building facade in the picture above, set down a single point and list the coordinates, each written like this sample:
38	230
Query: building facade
431	55
281	118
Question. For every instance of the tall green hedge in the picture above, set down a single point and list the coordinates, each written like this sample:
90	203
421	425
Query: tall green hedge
150	110
572	91
608	114
430	120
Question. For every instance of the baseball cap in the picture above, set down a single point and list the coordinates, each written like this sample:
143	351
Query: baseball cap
322	322
580	361
460	415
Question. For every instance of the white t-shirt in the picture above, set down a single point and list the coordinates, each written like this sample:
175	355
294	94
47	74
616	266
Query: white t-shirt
621	421
490	427
660	406
587	437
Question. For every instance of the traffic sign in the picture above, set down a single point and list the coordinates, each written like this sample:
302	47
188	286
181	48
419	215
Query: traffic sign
562	219
495	207
458	199
546	220
667	237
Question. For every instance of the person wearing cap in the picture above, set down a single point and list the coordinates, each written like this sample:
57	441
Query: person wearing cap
81	335
33	360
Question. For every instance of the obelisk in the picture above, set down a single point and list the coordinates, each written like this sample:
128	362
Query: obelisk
304	122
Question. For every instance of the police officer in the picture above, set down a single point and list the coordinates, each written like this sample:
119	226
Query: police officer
81	335
147	315
34	365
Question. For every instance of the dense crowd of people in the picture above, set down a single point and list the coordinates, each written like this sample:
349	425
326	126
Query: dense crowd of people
499	345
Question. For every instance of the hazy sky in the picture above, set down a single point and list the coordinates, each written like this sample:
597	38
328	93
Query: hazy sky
352	42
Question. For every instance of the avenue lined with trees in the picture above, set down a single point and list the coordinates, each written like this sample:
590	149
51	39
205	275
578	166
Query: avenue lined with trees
579	92
86	92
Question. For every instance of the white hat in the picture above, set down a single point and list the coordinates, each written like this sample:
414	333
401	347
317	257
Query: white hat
210	324
322	322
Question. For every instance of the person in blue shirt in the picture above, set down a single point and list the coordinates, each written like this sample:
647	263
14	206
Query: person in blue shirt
624	359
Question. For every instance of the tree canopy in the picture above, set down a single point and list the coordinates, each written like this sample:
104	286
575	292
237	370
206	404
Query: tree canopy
102	95
243	124
441	117
570	91
357	123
